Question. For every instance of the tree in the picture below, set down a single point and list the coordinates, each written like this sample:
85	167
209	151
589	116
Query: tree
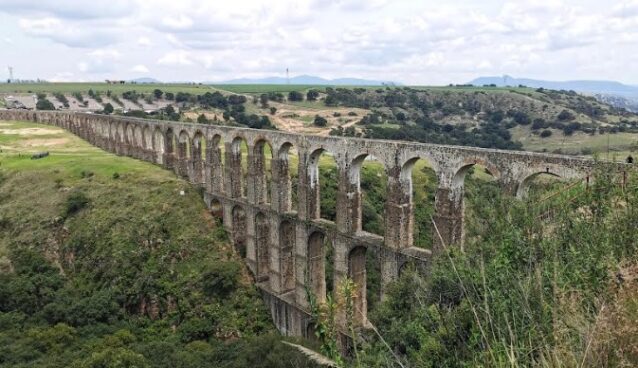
201	119
566	116
170	96
295	96
108	108
44	104
320	121
546	133
158	93
264	100
312	95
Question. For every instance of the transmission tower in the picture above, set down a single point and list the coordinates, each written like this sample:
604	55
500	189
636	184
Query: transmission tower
287	77
10	74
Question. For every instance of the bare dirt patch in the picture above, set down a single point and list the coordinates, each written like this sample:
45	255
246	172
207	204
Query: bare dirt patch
30	131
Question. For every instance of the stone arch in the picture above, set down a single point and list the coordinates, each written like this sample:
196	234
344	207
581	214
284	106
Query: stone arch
158	145
316	274
238	167
148	138
317	196
262	246
183	143
367	180
286	178
459	176
198	146
169	141
522	189
216	208
417	183
262	171
129	136
357	273
215	164
238	226
287	236
198	150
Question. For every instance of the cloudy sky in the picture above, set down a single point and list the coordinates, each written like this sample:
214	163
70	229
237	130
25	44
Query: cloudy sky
410	41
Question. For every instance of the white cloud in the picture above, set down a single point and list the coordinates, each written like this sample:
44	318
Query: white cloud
144	41
141	69
176	58
413	42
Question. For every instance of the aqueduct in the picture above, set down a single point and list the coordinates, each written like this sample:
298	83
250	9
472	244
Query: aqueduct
285	244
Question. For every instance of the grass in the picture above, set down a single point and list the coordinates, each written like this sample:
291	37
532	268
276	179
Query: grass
574	144
263	88
69	155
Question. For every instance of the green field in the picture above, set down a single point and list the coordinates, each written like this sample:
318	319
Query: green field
69	154
578	143
263	88
100	87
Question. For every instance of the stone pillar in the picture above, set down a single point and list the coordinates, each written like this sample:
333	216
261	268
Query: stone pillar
257	185
233	170
281	190
448	216
308	188
349	198
214	168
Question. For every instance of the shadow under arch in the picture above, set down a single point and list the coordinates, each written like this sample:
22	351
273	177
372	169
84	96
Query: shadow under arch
239	167
287	239
357	273
262	246
238	227
319	271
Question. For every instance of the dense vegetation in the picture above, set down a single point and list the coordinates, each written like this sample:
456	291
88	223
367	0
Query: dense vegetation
550	281
476	117
104	264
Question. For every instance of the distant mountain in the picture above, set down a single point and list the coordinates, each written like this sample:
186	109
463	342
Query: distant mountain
308	80
588	86
145	80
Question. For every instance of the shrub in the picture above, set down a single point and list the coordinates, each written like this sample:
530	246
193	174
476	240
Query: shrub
76	201
546	133
320	121
44	104
220	278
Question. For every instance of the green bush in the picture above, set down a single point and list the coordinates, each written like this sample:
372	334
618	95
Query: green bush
76	201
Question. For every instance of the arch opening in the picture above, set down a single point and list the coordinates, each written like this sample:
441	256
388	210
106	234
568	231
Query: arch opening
263	171
183	145
216	209
324	185
369	181
536	184
239	167
239	230
419	184
148	138
320	274
357	273
262	246
288	159
214	157
169	142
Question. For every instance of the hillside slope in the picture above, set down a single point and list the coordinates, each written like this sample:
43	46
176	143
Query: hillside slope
104	263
